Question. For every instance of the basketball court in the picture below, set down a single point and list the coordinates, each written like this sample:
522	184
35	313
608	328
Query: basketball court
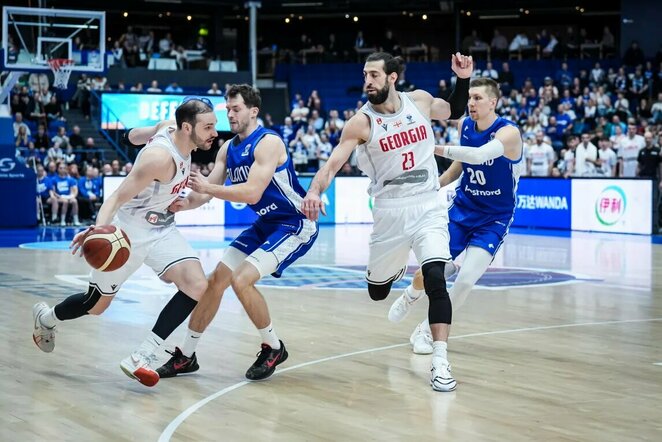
561	341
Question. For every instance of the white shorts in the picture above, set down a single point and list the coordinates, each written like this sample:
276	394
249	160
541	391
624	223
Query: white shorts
159	248
418	223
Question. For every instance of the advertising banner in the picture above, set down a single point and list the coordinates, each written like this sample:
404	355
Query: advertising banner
543	203
135	110
623	206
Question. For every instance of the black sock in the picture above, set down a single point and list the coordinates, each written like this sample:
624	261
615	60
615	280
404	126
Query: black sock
173	314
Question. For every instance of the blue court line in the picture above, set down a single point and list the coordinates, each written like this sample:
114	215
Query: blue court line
64	245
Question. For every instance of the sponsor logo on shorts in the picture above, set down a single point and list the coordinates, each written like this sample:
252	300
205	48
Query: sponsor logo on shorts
270	208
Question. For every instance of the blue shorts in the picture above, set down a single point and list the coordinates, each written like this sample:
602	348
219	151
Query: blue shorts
471	228
272	247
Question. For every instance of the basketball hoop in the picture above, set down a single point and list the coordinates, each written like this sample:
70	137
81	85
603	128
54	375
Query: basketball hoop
61	68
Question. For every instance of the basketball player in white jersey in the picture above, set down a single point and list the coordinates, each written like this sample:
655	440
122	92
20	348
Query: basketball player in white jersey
140	208
395	146
490	163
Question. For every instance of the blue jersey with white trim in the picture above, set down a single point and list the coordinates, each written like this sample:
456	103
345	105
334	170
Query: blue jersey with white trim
282	199
489	187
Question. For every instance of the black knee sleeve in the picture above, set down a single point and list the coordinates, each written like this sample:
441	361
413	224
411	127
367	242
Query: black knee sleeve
440	310
173	314
379	292
77	305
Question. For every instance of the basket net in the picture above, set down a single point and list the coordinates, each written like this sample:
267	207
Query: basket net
61	68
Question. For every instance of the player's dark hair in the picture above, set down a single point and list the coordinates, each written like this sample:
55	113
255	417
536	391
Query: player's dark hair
491	86
391	63
250	94
188	111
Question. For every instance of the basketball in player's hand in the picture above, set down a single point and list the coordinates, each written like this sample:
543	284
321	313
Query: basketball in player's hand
106	248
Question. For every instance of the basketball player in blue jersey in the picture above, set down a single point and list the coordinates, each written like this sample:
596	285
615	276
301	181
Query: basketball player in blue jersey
393	137
490	162
262	176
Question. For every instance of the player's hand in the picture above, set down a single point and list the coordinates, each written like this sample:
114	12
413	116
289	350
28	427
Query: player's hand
198	183
78	240
178	205
462	65
312	205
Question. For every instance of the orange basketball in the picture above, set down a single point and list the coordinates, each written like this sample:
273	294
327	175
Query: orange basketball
106	248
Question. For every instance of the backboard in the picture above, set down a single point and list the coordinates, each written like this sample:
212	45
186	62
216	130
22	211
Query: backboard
32	36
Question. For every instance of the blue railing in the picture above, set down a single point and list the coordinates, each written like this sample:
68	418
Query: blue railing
101	112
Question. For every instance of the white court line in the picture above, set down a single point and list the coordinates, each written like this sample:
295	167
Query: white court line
177	421
657	363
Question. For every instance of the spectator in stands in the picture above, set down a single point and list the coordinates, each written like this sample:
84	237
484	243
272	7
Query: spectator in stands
61	137
148	43
346	170
129	42
506	79
570	42
335	118
540	157
107	170
99	83
520	41
137	88
656	110
311	142
469	41
333	132
499	45
118	55
555	133
608	40
33	156
174	88
65	189
51	168
75	139
563	120
634	56
586	156
36	112
597	76
214	90
324	149
44	193
129	166
298	152
622	106
315	102
316	121
55	153
18	123
590	114
287	131
22	139
300	113
403	85
628	151
115	167
443	90
89	194
166	45
154	88
390	44
564	76
606	163
649	161
53	109
359	41
490	72
638	85
71	158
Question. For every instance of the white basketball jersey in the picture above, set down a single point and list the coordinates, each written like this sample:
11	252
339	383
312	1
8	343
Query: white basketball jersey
149	209
399	154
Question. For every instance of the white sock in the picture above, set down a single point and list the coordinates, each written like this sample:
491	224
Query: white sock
190	342
269	337
412	294
151	344
439	350
49	319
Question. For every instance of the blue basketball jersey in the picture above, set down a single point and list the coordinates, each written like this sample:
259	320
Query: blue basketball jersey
489	187
281	200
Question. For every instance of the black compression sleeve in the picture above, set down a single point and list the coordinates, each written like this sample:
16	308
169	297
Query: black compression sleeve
127	143
459	98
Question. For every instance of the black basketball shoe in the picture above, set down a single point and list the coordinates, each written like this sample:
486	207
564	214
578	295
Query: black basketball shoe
267	360
178	364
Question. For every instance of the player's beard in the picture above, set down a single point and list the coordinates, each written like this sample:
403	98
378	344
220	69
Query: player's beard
199	142
380	96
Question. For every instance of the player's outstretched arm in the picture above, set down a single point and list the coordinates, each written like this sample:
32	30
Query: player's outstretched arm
451	174
267	153
352	135
139	136
454	108
507	142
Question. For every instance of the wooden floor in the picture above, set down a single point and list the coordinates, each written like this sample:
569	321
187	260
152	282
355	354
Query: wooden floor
562	342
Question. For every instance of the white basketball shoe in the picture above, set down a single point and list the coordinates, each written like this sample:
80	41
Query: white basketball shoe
401	306
421	341
138	366
43	336
441	378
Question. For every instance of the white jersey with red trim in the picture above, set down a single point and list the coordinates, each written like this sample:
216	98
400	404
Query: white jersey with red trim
399	154
149	209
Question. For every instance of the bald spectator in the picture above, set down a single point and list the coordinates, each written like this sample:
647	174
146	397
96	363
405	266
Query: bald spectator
75	139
